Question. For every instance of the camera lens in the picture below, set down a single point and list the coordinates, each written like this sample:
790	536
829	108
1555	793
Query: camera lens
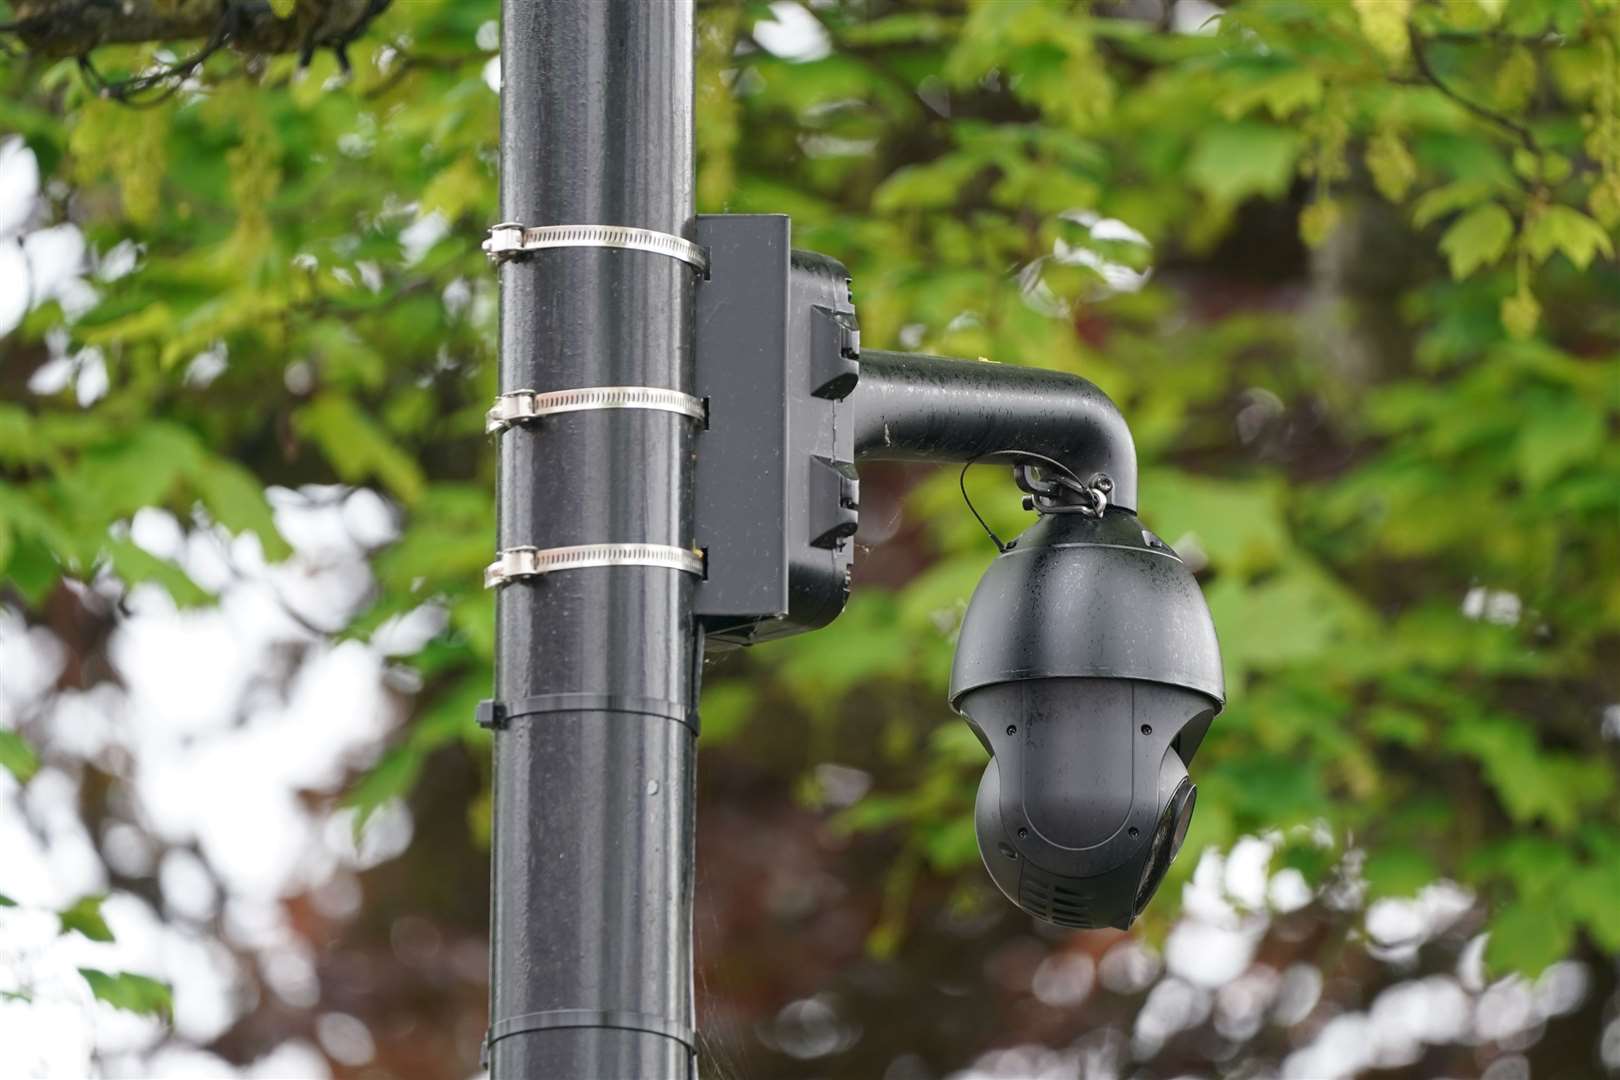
1168	837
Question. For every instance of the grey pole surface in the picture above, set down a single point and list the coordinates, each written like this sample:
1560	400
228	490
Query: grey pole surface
597	668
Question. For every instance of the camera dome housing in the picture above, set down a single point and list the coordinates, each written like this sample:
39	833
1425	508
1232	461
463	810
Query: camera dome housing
1088	667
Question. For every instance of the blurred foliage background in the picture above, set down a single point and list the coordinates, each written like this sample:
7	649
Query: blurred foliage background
1347	267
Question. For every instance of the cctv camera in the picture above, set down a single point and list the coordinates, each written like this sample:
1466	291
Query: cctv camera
1088	667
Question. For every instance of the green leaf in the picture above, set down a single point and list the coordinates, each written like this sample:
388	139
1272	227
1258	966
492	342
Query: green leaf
873	812
450	714
1535	864
132	993
1237	524
459	187
1557	436
151	321
1521	313
1533	784
823	666
85	916
119	477
1478	238
1489	10
1230	162
952	845
1318	220
1398	871
899	28
1383	24
1527	938
31	570
347	360
1393	169
20	443
1516	79
27	518
473	616
726	708
1314	861
1282	94
391	778
445	540
357	448
6	901
956	744
1398	726
1604	200
1266	788
17	757
1294	616
1560	228
1548	166
135	565
1431	206
235	498
935	185
1592	891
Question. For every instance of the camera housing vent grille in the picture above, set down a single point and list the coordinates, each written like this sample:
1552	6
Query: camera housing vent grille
1042	896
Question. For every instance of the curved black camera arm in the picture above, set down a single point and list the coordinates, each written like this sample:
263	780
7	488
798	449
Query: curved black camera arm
911	407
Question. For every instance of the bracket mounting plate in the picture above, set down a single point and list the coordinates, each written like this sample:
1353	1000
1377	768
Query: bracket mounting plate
777	496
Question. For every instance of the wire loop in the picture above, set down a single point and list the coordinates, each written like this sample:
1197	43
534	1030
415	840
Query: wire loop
1061	493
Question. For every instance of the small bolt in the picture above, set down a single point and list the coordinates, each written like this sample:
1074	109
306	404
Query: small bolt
1147	729
1134	832
1012	729
1023	834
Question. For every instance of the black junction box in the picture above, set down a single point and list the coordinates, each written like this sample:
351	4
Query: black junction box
777	354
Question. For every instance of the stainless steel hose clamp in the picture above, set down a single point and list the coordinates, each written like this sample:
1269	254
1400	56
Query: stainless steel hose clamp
520	406
514	563
511	239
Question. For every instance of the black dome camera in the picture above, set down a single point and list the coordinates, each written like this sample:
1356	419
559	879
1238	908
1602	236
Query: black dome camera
1088	667
1087	661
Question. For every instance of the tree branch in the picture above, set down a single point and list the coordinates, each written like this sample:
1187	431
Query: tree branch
74	27
1522	133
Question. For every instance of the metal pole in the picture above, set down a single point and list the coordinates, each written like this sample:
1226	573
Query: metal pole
597	668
